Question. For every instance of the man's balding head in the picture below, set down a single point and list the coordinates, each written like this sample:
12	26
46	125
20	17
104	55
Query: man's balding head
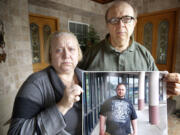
118	3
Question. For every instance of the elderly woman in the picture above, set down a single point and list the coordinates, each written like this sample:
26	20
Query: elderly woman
48	102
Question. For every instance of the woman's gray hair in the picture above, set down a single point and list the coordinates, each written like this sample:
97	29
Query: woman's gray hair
49	44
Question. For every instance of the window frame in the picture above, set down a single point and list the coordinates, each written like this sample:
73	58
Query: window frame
81	23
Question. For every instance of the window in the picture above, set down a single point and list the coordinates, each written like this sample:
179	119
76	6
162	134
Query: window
81	32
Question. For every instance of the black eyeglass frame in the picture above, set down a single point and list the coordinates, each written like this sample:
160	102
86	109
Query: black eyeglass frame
118	19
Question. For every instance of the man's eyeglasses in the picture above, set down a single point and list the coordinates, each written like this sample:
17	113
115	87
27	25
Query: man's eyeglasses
124	19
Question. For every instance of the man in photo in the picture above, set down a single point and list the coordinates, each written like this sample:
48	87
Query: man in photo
117	113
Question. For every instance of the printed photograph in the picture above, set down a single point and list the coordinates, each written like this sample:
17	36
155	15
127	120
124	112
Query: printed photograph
124	103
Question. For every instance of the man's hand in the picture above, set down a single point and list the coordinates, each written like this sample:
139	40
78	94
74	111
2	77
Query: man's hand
102	121
102	133
71	95
134	126
134	133
173	83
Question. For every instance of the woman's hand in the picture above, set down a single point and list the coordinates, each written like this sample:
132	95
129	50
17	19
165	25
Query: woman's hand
71	95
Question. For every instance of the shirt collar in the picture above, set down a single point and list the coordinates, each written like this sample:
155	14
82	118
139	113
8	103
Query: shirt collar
109	47
57	83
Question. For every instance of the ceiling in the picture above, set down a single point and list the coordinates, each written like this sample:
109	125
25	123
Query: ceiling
66	8
103	1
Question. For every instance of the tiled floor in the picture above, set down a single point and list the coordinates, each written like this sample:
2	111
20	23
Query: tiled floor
173	125
145	128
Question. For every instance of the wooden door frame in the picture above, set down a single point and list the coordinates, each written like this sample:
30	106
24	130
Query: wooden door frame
56	20
48	17
177	14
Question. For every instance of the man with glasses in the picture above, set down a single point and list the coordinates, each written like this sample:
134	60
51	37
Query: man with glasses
117	113
119	52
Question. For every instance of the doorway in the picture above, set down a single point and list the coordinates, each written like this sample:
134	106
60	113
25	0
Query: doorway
156	31
40	29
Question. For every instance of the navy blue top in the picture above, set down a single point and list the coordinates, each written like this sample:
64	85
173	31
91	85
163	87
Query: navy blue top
119	113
